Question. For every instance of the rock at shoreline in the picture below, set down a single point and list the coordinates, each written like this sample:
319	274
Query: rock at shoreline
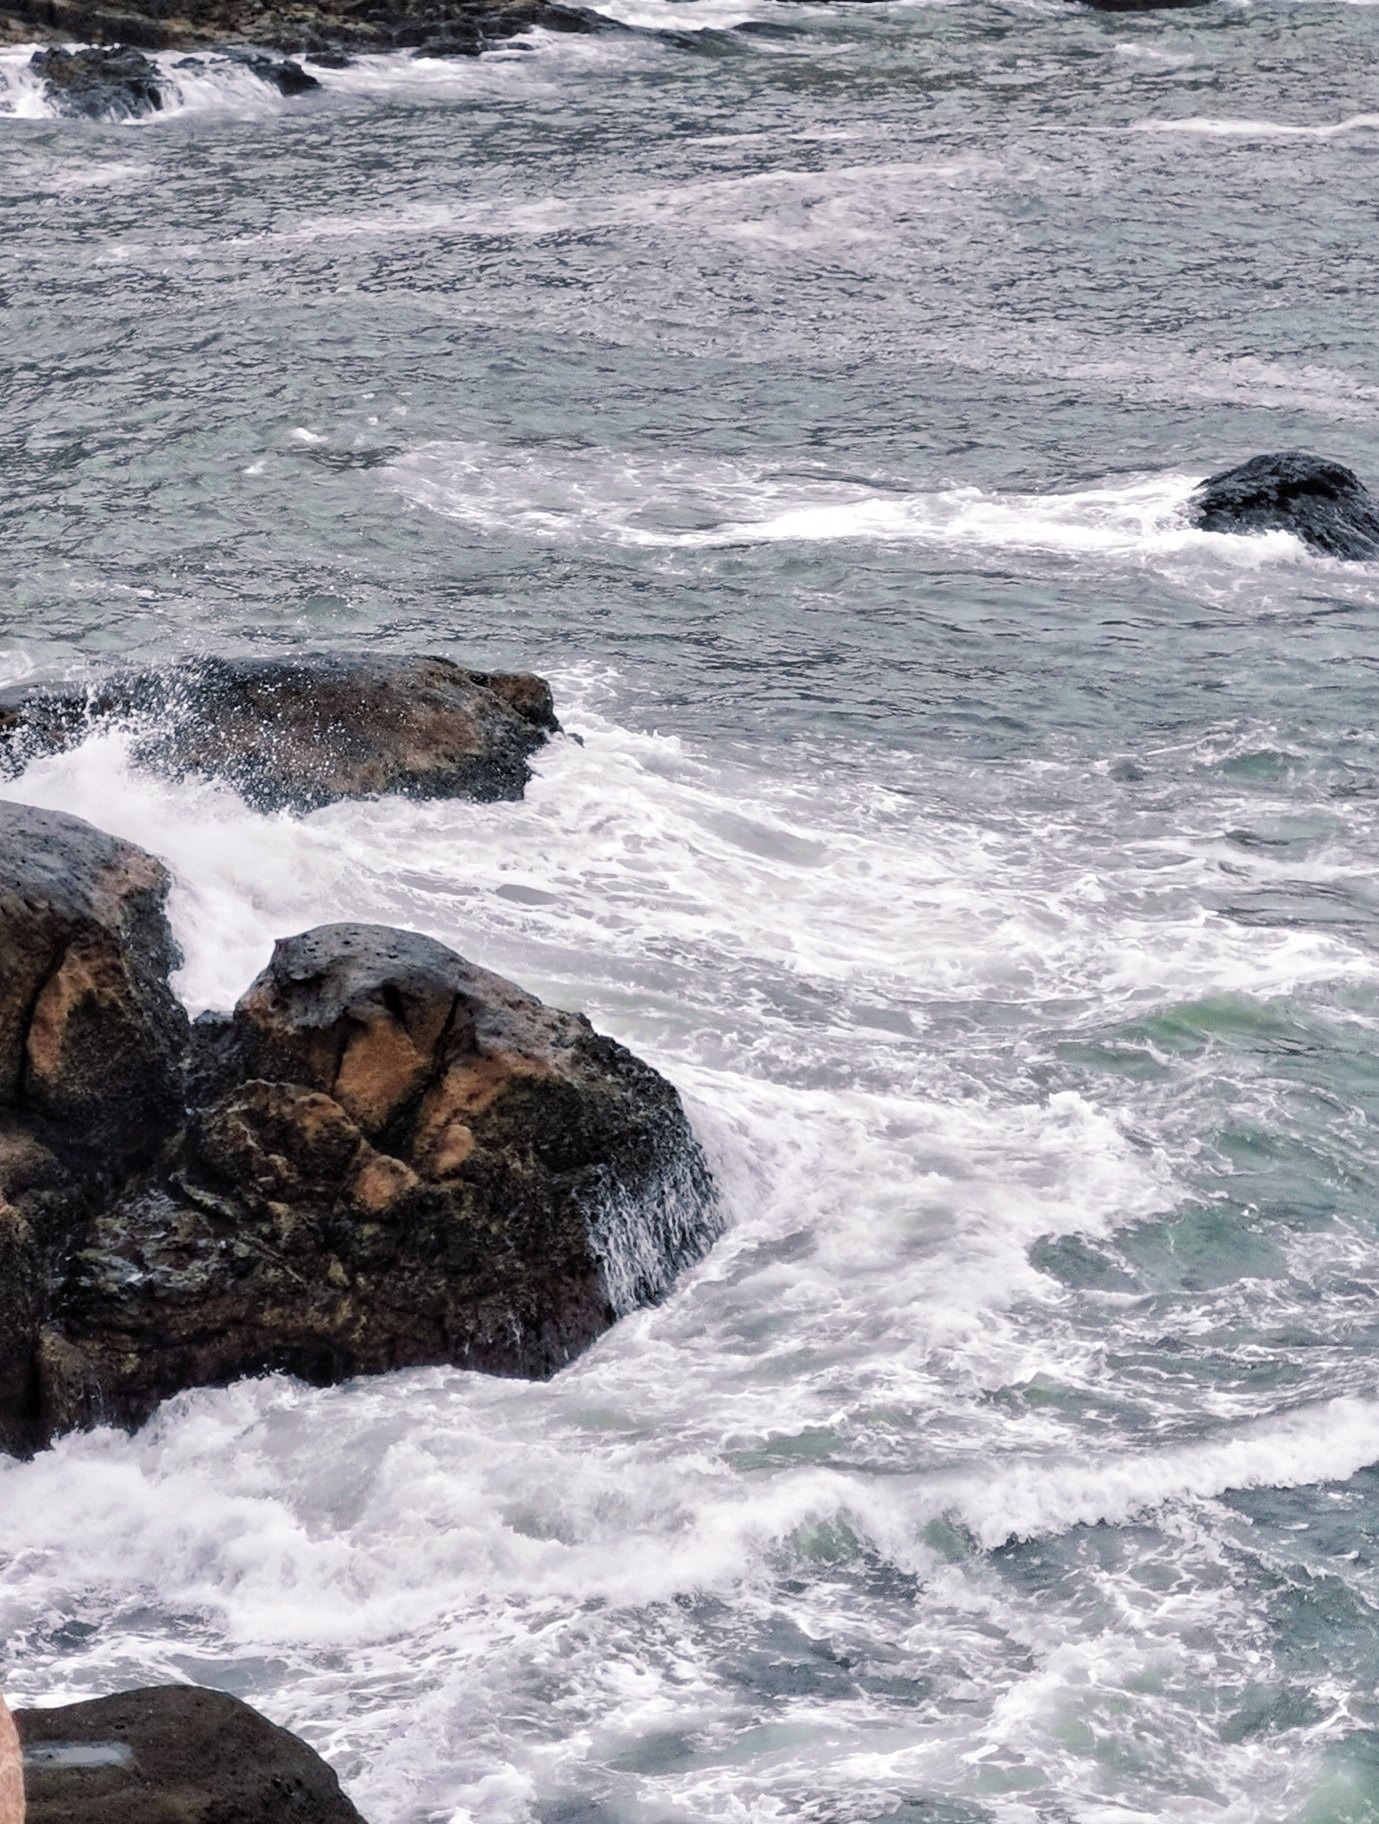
1322	503
315	28
299	733
172	1754
92	1041
103	82
394	1159
279	73
91	1034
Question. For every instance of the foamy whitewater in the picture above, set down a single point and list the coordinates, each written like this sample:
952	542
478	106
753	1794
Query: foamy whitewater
987	855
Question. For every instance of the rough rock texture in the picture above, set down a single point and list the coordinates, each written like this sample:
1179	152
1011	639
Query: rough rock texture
111	83
394	1159
302	732
91	1047
172	1754
324	28
1323	504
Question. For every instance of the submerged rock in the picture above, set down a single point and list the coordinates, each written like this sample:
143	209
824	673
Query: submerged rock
92	1041
303	732
394	1159
172	1754
101	82
1320	502
1140	6
279	73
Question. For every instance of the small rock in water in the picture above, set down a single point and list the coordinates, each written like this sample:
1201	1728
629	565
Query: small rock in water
1320	502
279	73
172	1754
101	82
298	733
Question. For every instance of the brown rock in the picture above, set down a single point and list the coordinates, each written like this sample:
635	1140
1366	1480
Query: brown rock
396	1159
298	733
91	1047
172	1754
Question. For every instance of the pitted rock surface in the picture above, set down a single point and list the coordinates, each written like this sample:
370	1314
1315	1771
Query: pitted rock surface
395	1158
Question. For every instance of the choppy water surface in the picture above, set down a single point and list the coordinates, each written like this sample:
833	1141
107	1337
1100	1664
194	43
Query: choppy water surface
989	858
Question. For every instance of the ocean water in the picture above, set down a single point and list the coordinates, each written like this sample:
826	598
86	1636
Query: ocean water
813	392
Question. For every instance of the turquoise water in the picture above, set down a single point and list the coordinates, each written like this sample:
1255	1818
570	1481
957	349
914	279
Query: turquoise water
987	855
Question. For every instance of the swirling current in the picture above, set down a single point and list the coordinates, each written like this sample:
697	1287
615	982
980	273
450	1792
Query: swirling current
813	393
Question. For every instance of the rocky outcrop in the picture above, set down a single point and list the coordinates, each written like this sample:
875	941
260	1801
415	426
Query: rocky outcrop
172	1754
394	1158
1322	503
100	83
324	29
302	732
92	1041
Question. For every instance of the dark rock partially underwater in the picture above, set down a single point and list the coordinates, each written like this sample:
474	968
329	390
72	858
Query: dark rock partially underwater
1320	502
111	82
92	1042
393	1158
172	1754
384	1157
323	28
298	733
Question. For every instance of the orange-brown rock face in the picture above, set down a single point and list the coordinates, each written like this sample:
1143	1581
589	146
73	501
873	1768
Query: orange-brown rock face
394	1158
91	1047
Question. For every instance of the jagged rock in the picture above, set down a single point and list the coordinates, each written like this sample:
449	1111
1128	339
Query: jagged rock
101	82
313	27
302	732
172	1754
91	1034
92	1040
395	1158
1322	503
468	32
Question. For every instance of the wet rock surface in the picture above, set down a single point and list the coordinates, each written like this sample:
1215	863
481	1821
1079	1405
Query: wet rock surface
173	1754
460	28
92	1041
300	733
1322	503
110	82
394	1158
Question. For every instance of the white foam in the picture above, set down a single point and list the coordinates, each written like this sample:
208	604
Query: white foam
189	82
1228	128
639	500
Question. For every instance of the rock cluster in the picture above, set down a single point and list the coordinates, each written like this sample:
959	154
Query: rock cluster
384	1157
327	31
302	732
1320	502
172	1754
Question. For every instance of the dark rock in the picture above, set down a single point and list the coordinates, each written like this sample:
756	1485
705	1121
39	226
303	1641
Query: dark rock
317	28
102	82
1323	504
476	30
91	1035
91	1047
172	1754
302	732
279	73
394	1159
